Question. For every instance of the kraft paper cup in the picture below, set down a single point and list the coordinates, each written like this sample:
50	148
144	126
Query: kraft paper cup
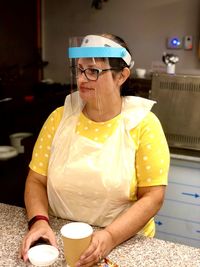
76	238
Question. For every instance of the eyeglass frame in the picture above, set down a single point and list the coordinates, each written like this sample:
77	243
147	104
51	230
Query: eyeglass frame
98	73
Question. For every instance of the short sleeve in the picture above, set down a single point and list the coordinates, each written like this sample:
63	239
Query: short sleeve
152	155
41	151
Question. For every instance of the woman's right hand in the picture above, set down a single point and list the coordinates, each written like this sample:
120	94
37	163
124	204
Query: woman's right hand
39	229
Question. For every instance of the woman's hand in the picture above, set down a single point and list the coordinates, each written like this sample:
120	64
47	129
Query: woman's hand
40	229
99	248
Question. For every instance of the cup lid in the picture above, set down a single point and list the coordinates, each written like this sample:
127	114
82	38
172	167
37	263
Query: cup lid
76	230
43	255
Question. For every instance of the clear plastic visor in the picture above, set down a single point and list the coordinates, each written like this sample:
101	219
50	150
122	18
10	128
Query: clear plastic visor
92	74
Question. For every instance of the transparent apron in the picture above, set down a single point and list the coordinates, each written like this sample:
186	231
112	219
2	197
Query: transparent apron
90	181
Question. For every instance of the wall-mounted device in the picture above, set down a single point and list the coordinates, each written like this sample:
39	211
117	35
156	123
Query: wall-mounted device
187	42
174	43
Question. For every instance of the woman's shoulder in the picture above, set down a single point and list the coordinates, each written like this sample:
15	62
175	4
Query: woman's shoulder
55	117
149	122
57	113
151	119
151	126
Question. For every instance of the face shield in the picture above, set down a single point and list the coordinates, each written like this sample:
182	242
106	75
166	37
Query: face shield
95	63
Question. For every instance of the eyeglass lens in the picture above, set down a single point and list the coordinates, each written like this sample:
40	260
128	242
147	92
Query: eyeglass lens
90	74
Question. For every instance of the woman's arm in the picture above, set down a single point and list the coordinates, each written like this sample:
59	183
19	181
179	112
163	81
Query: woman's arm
36	202
35	196
149	201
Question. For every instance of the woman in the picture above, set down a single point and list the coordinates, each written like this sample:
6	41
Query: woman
103	159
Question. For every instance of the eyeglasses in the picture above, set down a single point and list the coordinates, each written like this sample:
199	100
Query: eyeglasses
91	74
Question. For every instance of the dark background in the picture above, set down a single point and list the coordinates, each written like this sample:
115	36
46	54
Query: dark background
25	100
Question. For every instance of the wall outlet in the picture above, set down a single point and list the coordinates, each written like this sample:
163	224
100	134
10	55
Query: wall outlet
187	42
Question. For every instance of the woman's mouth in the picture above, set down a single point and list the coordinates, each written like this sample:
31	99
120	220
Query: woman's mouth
85	89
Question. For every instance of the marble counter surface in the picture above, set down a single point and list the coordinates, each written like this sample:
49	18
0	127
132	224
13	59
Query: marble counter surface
136	252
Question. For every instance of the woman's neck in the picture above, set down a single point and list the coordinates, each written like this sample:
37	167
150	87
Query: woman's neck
103	112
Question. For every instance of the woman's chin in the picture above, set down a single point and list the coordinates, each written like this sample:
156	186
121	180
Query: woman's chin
87	95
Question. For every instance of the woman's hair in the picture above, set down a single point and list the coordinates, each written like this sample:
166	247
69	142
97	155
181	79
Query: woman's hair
119	63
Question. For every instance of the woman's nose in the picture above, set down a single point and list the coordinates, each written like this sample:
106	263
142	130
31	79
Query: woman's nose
81	77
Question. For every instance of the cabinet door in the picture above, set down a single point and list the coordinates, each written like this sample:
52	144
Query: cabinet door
179	218
19	53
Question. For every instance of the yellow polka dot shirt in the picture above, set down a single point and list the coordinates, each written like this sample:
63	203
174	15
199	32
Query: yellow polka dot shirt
152	153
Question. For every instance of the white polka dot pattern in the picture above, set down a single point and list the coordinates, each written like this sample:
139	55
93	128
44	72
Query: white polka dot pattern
152	154
152	157
97	131
39	162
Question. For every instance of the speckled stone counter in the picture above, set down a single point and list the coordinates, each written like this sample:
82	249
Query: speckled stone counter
136	252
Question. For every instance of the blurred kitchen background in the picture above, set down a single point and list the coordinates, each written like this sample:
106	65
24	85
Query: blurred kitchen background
34	80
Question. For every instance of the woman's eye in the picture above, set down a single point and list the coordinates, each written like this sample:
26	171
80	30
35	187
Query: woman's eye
92	71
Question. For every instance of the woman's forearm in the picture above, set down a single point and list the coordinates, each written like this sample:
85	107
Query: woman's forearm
36	200
136	217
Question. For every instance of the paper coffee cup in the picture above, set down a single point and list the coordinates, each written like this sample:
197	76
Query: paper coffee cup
76	238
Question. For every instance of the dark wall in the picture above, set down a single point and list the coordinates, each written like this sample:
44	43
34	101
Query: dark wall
19	67
18	47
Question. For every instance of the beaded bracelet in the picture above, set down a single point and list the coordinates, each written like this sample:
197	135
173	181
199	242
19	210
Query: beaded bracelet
37	218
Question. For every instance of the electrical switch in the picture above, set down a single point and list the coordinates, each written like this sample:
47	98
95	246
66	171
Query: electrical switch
187	41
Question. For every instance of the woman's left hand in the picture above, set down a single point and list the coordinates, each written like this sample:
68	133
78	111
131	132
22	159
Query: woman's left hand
99	248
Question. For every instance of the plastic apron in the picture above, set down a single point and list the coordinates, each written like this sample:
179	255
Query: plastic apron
90	181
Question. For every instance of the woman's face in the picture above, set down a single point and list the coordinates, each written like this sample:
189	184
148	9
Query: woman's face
103	88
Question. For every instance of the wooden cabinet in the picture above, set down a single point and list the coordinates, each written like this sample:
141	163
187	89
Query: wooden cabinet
179	218
13	176
139	87
20	58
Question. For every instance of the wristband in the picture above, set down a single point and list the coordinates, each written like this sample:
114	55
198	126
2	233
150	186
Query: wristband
37	218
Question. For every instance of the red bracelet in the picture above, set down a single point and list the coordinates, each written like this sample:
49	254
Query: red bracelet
37	218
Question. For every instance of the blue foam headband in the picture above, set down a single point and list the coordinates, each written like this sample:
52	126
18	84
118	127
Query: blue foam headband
87	52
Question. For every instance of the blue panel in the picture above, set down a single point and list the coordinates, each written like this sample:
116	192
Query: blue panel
87	52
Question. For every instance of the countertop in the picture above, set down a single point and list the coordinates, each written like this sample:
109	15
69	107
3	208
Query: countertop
136	252
185	154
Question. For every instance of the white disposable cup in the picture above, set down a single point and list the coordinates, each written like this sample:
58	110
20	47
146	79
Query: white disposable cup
76	238
140	73
16	139
171	69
